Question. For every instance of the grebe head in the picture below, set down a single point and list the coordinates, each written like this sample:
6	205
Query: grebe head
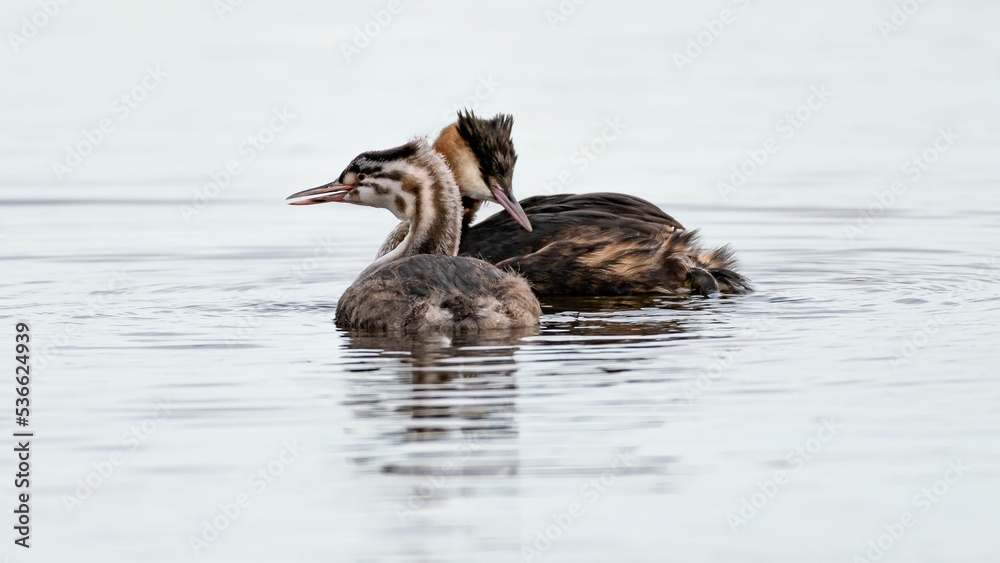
482	158
415	184
386	179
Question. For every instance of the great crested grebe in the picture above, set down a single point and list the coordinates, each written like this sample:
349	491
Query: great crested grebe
586	244
421	284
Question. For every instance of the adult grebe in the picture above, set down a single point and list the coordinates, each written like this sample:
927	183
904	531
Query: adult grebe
421	284
586	244
603	244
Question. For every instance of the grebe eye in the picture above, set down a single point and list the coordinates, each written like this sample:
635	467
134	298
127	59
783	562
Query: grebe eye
361	177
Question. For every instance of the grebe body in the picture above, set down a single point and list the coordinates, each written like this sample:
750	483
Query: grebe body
439	293
602	244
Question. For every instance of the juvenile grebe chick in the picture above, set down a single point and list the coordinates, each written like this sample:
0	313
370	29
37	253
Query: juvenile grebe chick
421	284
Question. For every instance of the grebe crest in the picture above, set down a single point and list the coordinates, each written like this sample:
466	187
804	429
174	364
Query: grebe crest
482	157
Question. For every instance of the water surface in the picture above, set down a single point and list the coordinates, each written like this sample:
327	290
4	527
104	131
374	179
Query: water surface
188	326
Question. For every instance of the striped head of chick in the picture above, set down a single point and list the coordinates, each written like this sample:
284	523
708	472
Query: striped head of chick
482	157
413	182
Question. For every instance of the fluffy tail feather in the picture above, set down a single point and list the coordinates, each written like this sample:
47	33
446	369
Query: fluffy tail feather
721	263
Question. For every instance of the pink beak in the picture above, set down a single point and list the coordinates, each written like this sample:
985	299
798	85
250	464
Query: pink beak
512	207
334	191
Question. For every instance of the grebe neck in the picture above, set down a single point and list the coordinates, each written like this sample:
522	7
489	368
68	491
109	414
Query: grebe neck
433	210
469	209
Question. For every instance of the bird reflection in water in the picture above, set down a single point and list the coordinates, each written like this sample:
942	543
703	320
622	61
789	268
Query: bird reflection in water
451	400
437	402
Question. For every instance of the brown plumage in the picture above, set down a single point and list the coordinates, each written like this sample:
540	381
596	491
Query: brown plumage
593	250
587	244
438	293
419	284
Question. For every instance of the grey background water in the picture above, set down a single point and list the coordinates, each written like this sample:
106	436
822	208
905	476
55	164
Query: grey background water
183	338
